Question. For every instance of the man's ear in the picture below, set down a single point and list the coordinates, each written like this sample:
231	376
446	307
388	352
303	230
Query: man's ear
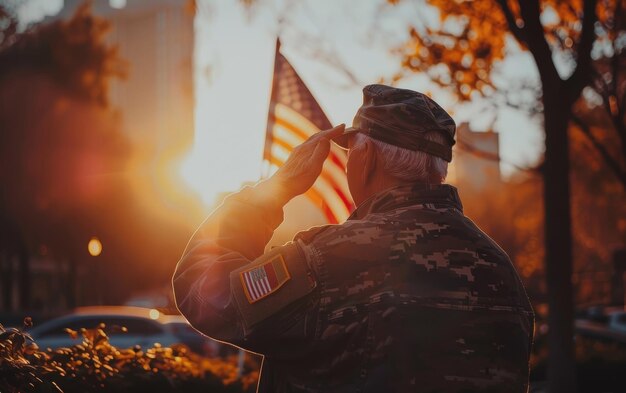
369	162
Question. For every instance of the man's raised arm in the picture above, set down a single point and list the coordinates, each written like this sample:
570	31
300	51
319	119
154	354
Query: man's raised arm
219	283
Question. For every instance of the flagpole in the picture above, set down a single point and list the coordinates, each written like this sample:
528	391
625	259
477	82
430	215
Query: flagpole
267	150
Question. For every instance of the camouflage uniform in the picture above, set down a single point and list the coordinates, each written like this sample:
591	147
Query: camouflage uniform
407	295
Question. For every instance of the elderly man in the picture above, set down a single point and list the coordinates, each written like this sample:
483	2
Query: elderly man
408	295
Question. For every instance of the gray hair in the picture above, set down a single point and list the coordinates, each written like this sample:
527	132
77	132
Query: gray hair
408	165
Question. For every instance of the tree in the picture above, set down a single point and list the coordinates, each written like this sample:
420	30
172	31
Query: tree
57	134
69	172
461	52
609	86
598	200
65	168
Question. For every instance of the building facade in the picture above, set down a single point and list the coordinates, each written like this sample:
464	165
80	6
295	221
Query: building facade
476	158
156	39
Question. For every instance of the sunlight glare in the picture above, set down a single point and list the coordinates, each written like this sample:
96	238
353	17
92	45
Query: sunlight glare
194	170
232	98
117	4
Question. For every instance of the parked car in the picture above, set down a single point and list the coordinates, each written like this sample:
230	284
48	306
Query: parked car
204	345
144	327
606	324
197	342
617	321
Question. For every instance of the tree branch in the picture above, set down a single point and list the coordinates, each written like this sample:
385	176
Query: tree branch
598	83
312	45
537	43
606	92
518	32
580	77
620	55
622	98
608	159
618	117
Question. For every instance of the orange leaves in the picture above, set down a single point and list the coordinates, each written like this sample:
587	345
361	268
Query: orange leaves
96	365
469	38
460	49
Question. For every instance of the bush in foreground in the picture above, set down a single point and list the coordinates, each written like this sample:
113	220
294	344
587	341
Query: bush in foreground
97	366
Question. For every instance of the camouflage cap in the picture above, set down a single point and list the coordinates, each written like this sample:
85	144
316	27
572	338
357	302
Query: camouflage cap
402	117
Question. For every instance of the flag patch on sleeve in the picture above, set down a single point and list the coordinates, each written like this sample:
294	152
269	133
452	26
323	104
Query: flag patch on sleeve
262	280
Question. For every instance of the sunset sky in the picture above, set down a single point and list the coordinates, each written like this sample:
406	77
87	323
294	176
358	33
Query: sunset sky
233	70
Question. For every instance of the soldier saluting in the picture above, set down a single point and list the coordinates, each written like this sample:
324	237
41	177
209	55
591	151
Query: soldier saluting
407	295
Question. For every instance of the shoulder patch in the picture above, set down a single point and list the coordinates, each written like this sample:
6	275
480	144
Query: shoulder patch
263	280
270	283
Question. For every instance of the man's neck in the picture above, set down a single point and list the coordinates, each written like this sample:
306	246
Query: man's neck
382	183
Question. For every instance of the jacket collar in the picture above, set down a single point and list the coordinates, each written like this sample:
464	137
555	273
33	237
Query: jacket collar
439	195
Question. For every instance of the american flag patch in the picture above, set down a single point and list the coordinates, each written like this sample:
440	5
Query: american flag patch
262	280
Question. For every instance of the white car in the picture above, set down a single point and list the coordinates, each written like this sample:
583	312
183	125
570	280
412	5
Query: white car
145	327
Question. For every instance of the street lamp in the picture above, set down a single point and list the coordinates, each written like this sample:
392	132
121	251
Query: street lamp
94	247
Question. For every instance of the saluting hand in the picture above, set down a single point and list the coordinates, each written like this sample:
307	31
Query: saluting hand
304	164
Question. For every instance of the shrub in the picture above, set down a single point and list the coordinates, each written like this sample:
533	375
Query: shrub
97	366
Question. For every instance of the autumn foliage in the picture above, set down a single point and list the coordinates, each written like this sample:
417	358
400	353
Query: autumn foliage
96	365
463	48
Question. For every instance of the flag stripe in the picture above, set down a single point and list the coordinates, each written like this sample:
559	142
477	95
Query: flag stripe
257	287
253	294
251	287
266	284
261	283
259	276
257	284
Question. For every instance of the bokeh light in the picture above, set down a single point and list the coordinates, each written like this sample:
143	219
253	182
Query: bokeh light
94	247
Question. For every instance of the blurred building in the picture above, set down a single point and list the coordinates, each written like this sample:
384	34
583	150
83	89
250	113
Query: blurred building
156	38
44	289
476	158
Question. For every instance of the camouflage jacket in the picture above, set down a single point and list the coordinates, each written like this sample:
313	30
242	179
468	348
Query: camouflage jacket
408	295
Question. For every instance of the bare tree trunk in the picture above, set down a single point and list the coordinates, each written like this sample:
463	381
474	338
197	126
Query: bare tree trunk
558	240
7	279
24	275
70	291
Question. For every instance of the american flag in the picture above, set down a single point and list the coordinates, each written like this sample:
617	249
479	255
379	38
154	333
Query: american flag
260	281
295	115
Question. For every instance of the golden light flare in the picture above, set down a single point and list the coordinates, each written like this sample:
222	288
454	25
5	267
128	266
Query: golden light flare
155	180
